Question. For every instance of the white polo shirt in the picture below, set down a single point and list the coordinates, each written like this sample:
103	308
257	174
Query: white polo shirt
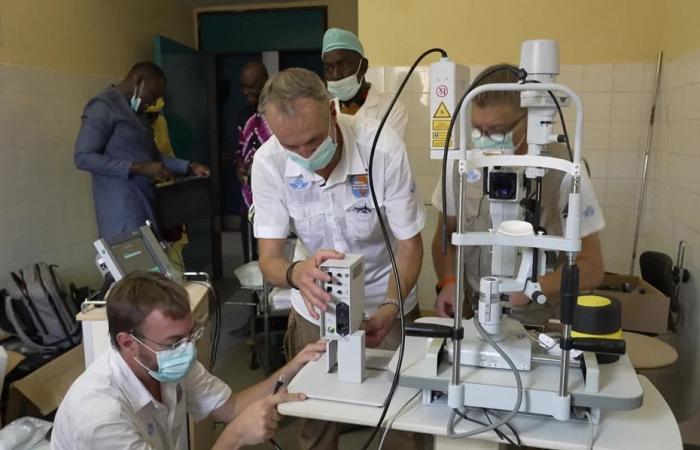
338	213
107	407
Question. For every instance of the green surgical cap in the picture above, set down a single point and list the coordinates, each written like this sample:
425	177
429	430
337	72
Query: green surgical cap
336	39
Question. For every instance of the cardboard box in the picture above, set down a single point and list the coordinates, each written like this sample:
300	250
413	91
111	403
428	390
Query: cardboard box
40	392
644	308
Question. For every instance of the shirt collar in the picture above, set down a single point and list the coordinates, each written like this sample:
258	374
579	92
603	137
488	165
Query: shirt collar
372	100
130	385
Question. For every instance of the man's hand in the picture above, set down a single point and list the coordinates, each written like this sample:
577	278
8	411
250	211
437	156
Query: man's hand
445	301
379	324
258	422
518	299
305	275
152	169
199	170
312	352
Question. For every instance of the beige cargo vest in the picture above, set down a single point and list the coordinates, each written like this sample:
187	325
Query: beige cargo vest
477	261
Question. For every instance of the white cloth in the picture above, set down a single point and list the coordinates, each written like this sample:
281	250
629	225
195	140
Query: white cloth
375	106
107	407
592	219
338	213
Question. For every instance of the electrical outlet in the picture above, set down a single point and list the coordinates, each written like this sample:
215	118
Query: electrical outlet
347	290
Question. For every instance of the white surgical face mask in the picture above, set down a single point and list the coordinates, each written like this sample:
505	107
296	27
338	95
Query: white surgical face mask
346	88
135	101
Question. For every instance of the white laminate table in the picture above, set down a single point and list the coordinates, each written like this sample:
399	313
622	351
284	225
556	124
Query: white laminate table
652	426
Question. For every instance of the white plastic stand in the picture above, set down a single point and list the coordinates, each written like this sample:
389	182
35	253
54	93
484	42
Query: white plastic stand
348	354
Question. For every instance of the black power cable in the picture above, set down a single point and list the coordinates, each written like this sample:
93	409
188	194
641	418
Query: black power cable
387	241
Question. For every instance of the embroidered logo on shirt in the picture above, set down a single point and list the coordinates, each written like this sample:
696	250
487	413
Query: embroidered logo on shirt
473	175
360	185
150	428
298	183
588	212
362	209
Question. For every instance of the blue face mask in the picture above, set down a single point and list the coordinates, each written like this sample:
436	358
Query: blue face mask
319	158
493	142
173	364
135	101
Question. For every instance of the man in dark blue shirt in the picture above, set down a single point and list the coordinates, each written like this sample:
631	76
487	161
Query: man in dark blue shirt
116	146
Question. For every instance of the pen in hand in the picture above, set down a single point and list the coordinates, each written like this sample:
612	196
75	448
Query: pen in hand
278	386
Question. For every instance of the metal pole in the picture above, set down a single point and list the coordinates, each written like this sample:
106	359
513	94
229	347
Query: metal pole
459	282
645	169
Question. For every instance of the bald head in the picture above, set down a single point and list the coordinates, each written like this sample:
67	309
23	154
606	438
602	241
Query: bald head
253	78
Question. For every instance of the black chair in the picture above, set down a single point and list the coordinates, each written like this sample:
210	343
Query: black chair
658	270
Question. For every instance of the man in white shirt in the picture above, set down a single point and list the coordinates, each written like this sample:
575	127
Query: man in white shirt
138	393
344	69
499	122
314	173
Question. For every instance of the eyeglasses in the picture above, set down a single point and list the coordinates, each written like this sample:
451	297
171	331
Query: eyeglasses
496	137
194	336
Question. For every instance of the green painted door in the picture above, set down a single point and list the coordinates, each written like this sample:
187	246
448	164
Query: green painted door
187	110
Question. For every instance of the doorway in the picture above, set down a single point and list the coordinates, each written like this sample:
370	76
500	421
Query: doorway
279	38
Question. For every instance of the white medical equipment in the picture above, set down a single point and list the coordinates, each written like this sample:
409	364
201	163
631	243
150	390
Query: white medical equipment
492	341
340	324
136	250
447	80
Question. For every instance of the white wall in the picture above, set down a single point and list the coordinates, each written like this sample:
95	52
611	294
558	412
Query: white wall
674	215
46	210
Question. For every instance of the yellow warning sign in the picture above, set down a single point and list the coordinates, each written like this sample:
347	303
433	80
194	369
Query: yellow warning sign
440	143
440	135
442	112
441	124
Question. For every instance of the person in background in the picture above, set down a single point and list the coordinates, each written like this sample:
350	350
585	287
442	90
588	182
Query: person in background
344	69
500	122
312	175
117	148
251	135
137	394
175	236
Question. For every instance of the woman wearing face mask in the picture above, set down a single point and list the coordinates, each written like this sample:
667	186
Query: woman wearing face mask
344	69
498	122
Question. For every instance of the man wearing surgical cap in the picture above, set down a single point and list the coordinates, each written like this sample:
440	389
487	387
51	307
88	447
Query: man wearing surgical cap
344	69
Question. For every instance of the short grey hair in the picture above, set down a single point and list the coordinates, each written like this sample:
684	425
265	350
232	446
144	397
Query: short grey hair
290	85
